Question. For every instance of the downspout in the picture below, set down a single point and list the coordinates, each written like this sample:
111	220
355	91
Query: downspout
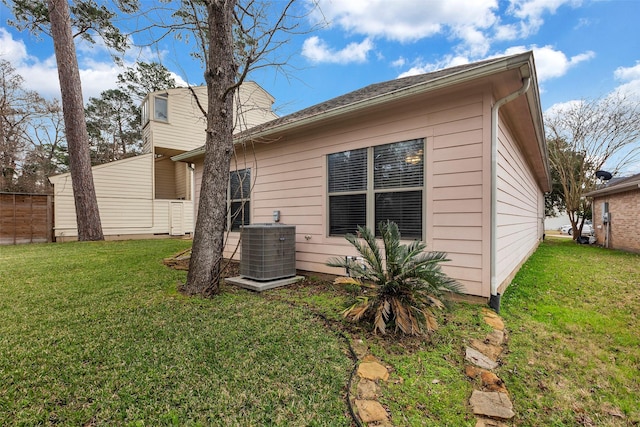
494	299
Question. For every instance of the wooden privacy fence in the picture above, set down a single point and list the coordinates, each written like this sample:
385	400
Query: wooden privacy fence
25	218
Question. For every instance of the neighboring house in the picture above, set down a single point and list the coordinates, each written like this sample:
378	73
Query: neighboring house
415	150
149	194
616	214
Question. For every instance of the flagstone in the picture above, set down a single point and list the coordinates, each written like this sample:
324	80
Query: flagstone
491	404
474	356
373	371
371	411
496	337
367	390
491	351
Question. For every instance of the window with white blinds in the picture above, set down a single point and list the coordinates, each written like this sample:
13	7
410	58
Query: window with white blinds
375	184
239	199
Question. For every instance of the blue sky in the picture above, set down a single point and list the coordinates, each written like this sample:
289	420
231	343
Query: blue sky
582	48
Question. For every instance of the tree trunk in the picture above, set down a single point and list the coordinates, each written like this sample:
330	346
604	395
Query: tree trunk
87	215
220	73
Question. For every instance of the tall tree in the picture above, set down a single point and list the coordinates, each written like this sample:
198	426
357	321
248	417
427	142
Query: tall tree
113	119
221	77
144	78
585	137
113	123
233	37
31	138
84	192
47	151
17	108
55	17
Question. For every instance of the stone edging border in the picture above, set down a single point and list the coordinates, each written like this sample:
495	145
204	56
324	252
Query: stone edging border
490	403
489	400
367	389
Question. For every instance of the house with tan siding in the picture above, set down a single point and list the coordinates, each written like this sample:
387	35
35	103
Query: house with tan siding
616	214
456	157
149	194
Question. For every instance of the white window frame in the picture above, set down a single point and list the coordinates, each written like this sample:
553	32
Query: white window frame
370	191
163	98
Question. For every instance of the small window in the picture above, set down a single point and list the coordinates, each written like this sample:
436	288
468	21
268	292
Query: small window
376	184
160	107
145	112
239	199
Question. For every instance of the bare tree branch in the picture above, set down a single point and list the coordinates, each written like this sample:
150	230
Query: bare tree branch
587	136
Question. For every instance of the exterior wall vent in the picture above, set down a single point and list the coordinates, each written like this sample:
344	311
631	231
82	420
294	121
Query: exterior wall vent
268	251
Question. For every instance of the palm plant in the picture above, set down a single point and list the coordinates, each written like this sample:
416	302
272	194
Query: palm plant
400	290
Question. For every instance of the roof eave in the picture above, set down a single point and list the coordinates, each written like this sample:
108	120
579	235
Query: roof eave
535	106
523	61
484	70
189	156
621	188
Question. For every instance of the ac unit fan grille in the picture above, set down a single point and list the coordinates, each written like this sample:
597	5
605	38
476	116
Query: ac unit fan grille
268	252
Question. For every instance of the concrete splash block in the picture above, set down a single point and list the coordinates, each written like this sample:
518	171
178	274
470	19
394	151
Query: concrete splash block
254	285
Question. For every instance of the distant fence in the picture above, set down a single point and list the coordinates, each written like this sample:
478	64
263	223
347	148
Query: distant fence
25	218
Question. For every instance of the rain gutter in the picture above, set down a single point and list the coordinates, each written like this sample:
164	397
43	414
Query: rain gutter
494	299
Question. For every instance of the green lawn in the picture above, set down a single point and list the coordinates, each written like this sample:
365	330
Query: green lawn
96	334
573	313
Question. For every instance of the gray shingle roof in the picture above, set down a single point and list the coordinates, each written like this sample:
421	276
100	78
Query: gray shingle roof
618	185
364	94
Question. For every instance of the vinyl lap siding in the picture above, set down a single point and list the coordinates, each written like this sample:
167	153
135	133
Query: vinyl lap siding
165	187
456	192
254	107
185	128
183	181
124	191
291	177
519	210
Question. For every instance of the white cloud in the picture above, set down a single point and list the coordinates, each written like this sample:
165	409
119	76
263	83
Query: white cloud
410	20
12	50
471	25
551	63
317	50
628	73
474	24
562	107
98	71
475	41
530	13
630	76
399	62
41	75
421	67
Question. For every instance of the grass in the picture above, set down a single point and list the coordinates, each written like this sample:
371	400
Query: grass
96	334
573	315
427	385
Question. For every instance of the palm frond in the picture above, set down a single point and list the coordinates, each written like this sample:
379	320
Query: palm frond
435	302
382	317
368	248
358	309
430	321
347	281
392	249
406	286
